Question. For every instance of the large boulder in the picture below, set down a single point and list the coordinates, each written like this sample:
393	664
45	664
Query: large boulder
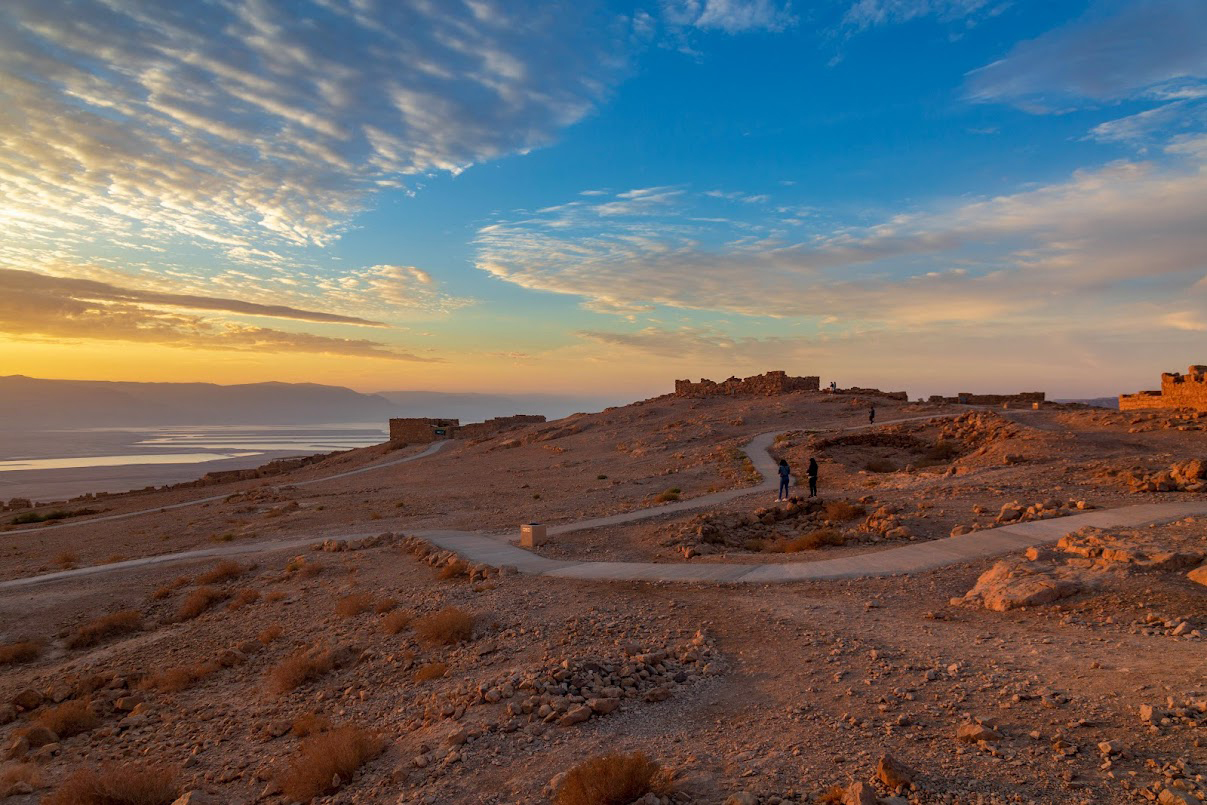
1014	583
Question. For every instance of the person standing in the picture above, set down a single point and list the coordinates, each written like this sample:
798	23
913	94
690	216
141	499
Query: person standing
785	476
812	473
872	414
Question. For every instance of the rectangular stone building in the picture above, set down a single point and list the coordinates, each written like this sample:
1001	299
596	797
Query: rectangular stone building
1177	391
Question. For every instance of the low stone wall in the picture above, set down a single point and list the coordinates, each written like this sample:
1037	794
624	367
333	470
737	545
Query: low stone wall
766	385
480	430
1024	399
1177	391
420	430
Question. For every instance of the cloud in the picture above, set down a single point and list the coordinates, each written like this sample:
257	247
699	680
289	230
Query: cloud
870	13
393	289
1114	51
1189	320
729	16
1153	125
228	123
12	281
35	306
1054	256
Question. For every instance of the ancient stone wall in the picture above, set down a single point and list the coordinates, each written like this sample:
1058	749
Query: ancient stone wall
490	427
419	430
771	383
1177	391
1024	399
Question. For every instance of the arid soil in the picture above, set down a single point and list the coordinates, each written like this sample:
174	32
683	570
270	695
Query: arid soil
1072	674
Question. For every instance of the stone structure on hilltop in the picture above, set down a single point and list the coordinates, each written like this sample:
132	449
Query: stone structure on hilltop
419	430
1177	391
1024	399
776	382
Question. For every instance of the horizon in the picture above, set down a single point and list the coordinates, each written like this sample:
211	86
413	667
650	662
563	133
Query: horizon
494	198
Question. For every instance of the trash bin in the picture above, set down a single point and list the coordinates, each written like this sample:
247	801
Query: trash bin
533	535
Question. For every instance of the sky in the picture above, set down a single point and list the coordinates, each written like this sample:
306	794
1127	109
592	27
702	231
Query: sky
600	197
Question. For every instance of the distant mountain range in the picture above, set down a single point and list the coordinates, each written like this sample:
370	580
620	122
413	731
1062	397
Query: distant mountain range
34	403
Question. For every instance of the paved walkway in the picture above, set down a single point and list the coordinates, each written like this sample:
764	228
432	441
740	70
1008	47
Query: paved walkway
494	550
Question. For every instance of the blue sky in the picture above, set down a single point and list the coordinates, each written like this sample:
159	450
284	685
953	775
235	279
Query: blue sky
935	195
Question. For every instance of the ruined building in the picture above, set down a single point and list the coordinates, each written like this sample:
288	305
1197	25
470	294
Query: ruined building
1024	399
1177	391
419	430
765	385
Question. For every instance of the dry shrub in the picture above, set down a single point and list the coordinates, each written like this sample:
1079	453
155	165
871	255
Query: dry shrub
225	570
453	570
66	559
199	601
338	752
128	784
309	724
446	627
814	540
270	633
396	621
14	773
174	680
298	669
668	495
615	779
384	605
433	670
21	651
98	629
355	604
880	465
841	511
69	718
276	595
167	589
243	598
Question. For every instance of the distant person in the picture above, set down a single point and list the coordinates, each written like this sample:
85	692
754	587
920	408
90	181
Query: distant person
872	414
812	473
833	386
785	476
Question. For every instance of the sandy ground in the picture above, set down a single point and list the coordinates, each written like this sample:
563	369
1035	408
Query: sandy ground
765	694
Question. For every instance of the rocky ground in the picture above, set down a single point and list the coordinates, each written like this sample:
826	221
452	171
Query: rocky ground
1069	674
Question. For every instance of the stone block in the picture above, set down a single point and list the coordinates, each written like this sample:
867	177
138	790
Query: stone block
533	535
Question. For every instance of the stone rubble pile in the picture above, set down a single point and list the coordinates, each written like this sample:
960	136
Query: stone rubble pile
1183	476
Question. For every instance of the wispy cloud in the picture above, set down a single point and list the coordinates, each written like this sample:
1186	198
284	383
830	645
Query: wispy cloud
1116	50
229	123
730	16
1044	255
870	13
42	307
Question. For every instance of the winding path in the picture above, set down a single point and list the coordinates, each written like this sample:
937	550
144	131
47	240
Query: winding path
497	551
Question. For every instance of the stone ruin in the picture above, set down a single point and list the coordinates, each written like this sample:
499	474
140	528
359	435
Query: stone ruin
1024	399
764	385
1177	391
420	430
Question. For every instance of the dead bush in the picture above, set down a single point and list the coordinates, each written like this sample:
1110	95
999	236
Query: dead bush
840	511
225	570
446	627
355	604
243	598
615	779
298	669
13	773
453	570
814	540
127	784
396	621
167	589
66	559
433	670
384	605
106	626
880	465
309	724
21	651
324	756
69	718
174	680
270	633
668	495
199	601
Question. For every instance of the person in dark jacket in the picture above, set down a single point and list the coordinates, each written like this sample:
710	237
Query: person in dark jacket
785	476
871	414
812	473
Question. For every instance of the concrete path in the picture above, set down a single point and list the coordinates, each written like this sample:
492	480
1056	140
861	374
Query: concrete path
432	448
495	550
